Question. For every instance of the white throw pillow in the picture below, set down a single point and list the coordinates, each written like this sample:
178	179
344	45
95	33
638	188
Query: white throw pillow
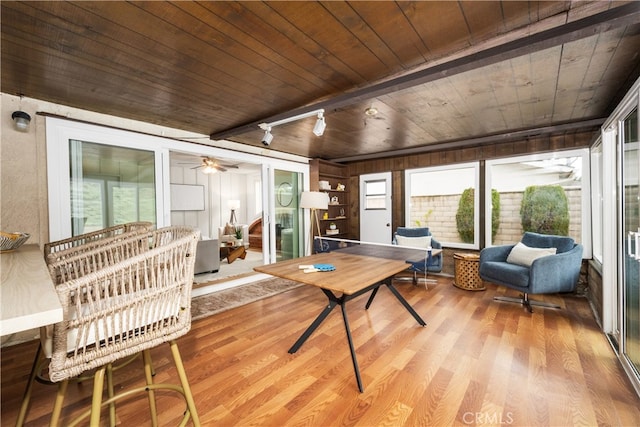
524	255
422	242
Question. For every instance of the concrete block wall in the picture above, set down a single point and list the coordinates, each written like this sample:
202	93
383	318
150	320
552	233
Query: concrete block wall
442	220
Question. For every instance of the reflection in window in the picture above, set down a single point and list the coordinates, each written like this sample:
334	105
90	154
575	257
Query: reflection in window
110	185
375	193
597	198
433	197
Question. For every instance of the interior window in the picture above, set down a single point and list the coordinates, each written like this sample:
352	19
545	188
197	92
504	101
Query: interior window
375	194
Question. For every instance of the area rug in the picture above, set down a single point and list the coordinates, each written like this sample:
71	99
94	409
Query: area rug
216	302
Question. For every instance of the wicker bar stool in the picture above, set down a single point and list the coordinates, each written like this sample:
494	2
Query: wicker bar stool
56	252
120	300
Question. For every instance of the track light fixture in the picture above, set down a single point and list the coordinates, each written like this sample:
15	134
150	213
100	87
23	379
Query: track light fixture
318	129
268	137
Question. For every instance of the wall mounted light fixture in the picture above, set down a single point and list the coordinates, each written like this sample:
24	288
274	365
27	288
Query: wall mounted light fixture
21	120
318	129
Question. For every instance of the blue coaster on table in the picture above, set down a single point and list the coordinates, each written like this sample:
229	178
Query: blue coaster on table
324	267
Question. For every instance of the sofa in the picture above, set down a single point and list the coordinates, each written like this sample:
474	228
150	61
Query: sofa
207	256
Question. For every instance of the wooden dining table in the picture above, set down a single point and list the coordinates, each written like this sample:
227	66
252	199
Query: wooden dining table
354	275
28	296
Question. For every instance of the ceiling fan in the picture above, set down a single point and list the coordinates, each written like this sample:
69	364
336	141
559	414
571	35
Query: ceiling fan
212	165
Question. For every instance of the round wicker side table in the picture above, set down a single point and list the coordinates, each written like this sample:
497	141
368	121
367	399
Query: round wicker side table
466	272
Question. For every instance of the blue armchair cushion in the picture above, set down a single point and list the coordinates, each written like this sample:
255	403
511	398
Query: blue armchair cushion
536	240
517	275
413	231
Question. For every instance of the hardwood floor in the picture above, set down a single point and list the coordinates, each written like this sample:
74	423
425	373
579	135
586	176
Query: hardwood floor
477	362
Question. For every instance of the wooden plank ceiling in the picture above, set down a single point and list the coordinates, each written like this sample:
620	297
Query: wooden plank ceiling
438	72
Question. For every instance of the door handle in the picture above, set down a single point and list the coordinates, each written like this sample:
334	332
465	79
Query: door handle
388	225
633	253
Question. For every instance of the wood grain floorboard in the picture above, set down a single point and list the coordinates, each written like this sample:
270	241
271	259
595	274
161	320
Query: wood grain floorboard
478	362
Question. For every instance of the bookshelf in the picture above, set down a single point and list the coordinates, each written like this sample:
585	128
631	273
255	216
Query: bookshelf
336	179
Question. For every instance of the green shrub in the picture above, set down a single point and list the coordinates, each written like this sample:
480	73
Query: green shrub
545	209
464	215
495	213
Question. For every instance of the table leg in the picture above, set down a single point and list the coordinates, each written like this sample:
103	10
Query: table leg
238	252
406	304
342	302
371	297
351	347
333	301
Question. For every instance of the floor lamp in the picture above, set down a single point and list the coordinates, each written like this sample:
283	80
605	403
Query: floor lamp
314	200
233	205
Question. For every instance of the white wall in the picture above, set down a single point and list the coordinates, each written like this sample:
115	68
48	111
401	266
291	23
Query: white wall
219	188
23	160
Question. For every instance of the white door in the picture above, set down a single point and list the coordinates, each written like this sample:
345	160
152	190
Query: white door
375	208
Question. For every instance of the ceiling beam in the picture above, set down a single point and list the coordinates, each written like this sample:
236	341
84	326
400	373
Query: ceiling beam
627	14
474	142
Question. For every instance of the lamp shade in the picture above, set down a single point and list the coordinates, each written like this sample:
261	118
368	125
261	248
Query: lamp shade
233	204
314	200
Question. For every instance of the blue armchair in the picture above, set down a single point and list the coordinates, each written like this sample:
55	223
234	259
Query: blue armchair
430	263
532	267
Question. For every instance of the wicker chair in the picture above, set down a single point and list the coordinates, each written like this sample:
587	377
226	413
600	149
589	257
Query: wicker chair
119	300
82	239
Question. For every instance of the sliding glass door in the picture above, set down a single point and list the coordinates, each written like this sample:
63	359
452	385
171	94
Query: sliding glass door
99	177
630	281
287	218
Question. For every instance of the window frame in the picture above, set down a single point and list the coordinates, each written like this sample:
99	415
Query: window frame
477	187
585	227
376	196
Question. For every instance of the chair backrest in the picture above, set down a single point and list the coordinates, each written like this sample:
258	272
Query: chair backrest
120	305
83	239
79	261
413	231
537	240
